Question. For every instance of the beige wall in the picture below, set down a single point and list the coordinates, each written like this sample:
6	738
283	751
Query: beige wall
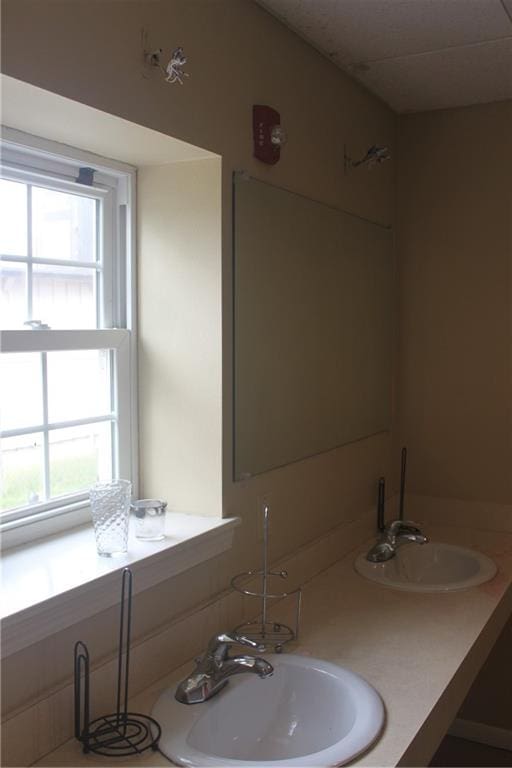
454	382
180	334
238	55
455	254
453	395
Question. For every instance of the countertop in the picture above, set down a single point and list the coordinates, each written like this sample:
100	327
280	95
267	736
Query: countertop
420	651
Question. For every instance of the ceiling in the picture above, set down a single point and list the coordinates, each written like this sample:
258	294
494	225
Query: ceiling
414	54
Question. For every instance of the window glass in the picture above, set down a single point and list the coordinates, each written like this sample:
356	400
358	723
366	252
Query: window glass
63	226
21	470
13	294
21	390
61	265
64	297
79	457
78	384
13	218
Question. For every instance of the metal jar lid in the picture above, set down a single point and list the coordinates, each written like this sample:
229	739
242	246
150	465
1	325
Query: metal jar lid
143	507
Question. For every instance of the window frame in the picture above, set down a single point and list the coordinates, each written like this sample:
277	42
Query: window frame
35	160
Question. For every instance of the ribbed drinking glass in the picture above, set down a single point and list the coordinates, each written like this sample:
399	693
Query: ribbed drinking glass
110	507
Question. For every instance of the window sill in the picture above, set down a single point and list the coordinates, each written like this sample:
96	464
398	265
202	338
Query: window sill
53	583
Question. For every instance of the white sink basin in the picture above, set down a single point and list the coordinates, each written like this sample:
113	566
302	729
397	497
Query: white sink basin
310	712
432	567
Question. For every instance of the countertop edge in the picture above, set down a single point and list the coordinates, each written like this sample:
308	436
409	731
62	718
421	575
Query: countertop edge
427	739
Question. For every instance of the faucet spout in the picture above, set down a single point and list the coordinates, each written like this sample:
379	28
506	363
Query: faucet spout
396	533
216	666
255	664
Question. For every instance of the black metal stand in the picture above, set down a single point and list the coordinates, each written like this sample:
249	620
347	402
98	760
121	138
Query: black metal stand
122	733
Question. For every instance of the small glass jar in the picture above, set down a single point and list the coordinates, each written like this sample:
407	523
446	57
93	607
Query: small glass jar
149	519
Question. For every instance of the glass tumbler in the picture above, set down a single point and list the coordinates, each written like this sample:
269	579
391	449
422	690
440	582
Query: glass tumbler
110	507
149	519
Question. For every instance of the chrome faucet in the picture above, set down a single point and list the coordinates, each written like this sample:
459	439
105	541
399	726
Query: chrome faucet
393	535
216	666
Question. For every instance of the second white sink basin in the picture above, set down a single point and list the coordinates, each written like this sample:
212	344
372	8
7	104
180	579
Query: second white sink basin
308	713
431	567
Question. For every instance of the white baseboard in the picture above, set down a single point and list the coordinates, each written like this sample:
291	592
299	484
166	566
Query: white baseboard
501	738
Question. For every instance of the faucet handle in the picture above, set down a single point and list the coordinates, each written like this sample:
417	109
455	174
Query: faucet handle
408	526
219	643
243	640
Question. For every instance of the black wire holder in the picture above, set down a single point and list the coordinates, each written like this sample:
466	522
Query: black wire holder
265	631
121	733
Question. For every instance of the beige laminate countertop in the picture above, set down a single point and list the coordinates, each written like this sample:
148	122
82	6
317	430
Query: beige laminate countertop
420	651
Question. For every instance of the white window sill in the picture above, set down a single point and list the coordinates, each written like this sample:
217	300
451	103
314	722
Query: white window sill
53	583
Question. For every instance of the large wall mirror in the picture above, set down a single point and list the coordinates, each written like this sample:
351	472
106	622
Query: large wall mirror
313	298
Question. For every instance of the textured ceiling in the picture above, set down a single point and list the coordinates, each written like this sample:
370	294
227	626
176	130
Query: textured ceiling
415	54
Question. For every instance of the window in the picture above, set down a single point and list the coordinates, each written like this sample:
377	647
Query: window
66	331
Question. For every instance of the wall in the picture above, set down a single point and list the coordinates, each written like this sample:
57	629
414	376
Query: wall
454	405
238	55
92	53
180	362
454	253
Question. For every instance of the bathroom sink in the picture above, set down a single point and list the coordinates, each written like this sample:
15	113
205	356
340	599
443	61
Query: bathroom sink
432	567
309	712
